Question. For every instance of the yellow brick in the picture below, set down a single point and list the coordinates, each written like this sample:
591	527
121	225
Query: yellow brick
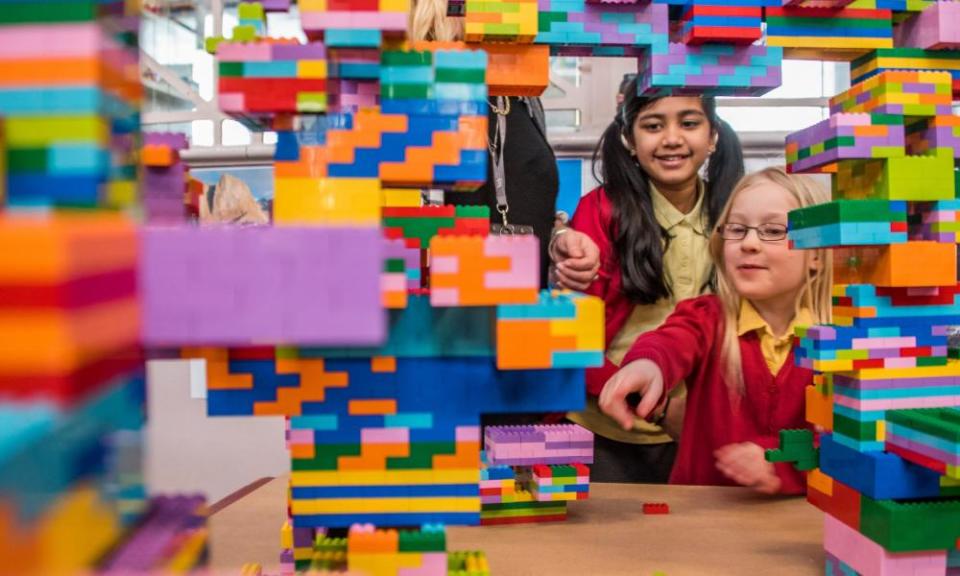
401	198
312	5
402	6
384	505
64	550
312	69
327	200
385	477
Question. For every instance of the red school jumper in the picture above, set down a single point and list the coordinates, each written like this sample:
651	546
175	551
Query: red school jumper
593	217
687	347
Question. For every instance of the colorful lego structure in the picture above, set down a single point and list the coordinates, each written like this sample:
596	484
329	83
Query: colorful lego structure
72	495
882	470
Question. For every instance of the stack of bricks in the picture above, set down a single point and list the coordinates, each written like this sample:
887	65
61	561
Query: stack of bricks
712	69
938	221
349	24
531	472
845	137
514	21
262	78
718	21
850	223
885	386
430	130
165	178
804	31
70	105
72	495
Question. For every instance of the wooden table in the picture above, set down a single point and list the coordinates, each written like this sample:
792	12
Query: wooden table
709	530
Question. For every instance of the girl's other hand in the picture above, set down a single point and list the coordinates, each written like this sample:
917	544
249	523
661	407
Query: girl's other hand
745	464
577	260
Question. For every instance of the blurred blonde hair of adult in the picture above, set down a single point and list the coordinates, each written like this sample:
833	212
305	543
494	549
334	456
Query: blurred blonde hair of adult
429	21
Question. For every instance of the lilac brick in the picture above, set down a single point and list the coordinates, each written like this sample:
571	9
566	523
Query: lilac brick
239	286
538	444
936	28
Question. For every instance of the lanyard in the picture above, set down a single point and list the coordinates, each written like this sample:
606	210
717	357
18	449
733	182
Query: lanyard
496	156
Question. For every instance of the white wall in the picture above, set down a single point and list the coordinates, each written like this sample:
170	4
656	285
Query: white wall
190	452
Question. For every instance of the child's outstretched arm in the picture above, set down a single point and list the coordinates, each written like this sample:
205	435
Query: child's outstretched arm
642	376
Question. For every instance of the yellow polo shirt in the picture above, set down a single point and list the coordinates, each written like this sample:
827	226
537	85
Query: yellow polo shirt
687	264
775	348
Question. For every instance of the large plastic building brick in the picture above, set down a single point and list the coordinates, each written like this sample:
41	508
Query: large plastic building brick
875	62
902	92
563	330
802	31
915	178
164	177
936	28
849	223
484	271
845	137
710	69
501	21
269	77
255	285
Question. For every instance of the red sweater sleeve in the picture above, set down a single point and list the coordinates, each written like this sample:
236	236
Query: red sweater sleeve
682	341
592	218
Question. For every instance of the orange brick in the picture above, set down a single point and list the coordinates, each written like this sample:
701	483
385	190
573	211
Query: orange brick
383	364
158	155
371	407
910	264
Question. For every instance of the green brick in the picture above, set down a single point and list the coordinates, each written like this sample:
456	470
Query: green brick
472	211
421	455
463	76
830	23
521	508
426	540
395	58
940	422
325	458
27	160
401	91
49	12
910	526
932	361
230	69
395	265
422	228
863	431
839	211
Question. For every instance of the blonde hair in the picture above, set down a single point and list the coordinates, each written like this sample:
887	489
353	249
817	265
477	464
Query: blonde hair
429	21
816	292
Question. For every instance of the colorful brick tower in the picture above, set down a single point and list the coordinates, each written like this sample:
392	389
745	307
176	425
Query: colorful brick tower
885	474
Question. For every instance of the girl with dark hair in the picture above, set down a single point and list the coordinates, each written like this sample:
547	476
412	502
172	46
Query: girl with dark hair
640	242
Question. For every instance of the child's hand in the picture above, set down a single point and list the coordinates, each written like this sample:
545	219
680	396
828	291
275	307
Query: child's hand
577	260
744	463
641	376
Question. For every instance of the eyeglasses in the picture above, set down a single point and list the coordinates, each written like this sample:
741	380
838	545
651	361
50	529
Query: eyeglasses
765	232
